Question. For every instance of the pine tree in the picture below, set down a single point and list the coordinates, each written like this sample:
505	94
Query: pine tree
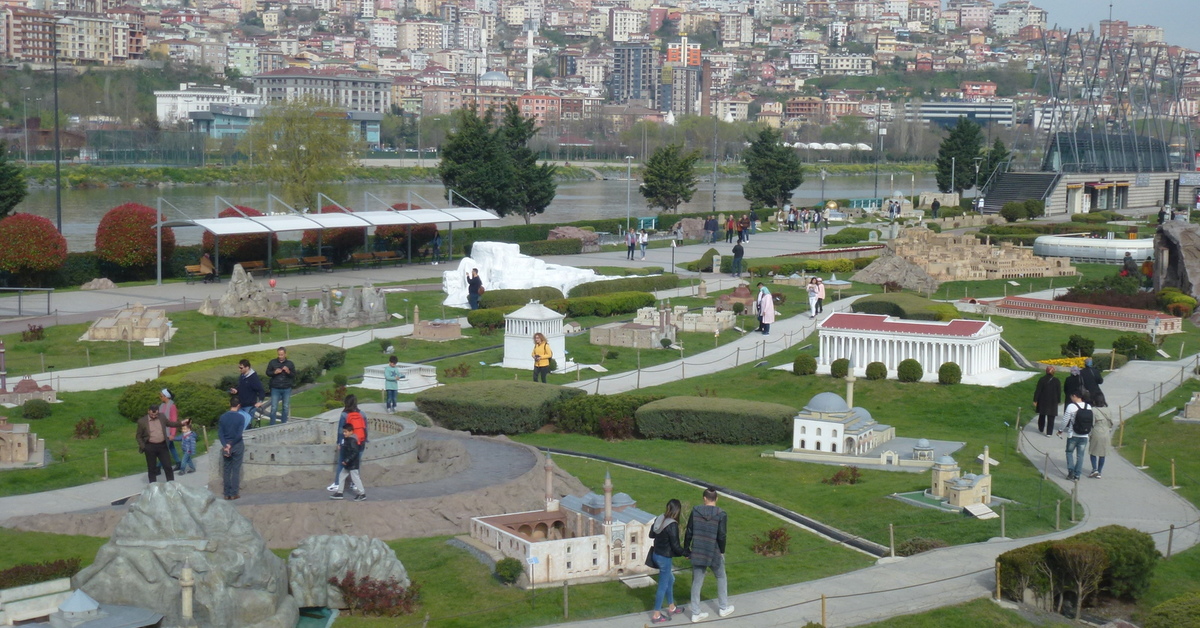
12	182
774	170
533	186
473	162
669	177
956	156
995	159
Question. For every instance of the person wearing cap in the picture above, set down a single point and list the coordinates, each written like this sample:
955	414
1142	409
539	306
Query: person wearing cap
151	438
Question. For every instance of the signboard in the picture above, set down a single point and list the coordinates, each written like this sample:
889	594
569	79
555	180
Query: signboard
1142	180
1189	178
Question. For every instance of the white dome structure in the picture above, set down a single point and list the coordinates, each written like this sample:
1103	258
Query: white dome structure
494	78
827	402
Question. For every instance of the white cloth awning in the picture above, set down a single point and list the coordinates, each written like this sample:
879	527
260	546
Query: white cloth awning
278	223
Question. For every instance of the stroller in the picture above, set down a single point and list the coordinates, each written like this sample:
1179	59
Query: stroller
257	415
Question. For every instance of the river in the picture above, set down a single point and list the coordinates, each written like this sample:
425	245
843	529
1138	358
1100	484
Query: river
576	200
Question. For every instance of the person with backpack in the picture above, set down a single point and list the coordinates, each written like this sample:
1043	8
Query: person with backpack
1077	422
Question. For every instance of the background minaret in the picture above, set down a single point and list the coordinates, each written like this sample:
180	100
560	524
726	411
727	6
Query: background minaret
532	19
607	499
3	369
985	460
551	503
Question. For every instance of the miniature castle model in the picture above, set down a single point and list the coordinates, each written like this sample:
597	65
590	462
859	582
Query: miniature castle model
864	338
651	325
953	257
1086	314
519	328
740	294
244	297
961	491
413	377
19	446
25	389
582	539
132	324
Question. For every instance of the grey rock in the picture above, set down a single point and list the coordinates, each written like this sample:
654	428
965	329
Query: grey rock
98	284
319	558
239	582
563	233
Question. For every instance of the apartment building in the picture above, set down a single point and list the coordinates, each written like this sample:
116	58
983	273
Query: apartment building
622	23
417	34
29	35
854	65
338	88
177	104
634	76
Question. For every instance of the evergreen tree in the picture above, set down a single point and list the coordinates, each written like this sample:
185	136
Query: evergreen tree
473	162
669	177
956	156
774	170
12	182
995	158
533	186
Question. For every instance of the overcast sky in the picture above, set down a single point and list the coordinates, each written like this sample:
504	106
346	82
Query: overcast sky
1180	19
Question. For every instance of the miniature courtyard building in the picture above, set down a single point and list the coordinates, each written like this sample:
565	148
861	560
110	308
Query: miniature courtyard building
631	335
740	294
132	324
1086	314
864	338
23	390
19	446
582	539
519	328
963	490
436	330
955	257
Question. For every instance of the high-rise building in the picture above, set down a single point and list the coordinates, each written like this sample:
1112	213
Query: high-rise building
634	76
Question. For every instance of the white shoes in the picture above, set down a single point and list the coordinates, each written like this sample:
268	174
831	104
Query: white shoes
699	617
332	488
726	612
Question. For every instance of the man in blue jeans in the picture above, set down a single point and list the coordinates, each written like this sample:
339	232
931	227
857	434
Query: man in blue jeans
705	542
1077	422
229	430
282	374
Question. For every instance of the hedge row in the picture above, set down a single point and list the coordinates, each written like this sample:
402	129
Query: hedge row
493	407
905	305
565	246
203	404
221	373
714	420
490	318
465	238
1131	560
603	305
500	298
850	235
625	284
825	266
33	573
588	414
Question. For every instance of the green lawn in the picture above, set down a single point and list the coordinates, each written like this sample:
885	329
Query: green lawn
1040	340
953	290
976	614
1167	441
17	548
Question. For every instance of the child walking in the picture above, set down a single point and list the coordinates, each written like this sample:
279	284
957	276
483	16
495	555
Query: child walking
351	455
188	443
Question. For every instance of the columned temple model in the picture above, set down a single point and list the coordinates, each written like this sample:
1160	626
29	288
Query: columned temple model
864	338
519	328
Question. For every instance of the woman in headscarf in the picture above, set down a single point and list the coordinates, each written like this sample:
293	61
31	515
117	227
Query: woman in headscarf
1072	384
168	410
766	309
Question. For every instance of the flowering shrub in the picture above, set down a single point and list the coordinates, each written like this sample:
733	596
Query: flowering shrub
344	240
30	245
394	238
126	237
241	248
1065	362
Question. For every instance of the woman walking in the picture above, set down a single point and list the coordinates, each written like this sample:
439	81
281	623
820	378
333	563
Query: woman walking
812	297
541	357
168	409
644	239
665	533
766	309
1102	427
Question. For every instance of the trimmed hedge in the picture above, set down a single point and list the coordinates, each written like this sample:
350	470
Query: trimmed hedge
905	305
625	284
565	246
126	237
35	409
711	420
849	235
221	373
493	407
584	414
949	374
33	573
203	404
603	305
32	247
705	263
909	371
876	370
839	368
804	364
499	298
490	318
1179	612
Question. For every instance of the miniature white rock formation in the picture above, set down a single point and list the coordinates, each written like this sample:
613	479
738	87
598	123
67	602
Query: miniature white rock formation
98	284
502	267
319	558
364	305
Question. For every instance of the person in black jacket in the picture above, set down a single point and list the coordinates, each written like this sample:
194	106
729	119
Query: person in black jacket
1045	400
1074	383
351	460
249	390
1090	378
665	533
282	372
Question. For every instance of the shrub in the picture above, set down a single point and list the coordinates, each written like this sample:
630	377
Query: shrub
493	407
949	374
310	359
611	355
86	429
370	597
33	333
1078	346
203	404
77	269
905	305
804	364
508	570
1178	612
32	247
126	237
603	305
491	319
1007	361
1034	208
1132	557
499	298
849	235
35	409
342	240
705	263
909	371
710	420
33	573
625	284
774	544
564	246
839	368
240	248
1134	346
845	475
740	307
584	414
916	545
876	370
1013	211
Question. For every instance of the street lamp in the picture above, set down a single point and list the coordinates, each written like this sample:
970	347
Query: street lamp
628	188
57	141
25	123
879	133
977	160
953	170
824	174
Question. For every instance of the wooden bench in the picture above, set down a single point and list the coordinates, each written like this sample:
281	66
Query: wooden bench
253	267
388	257
359	259
193	272
290	263
319	262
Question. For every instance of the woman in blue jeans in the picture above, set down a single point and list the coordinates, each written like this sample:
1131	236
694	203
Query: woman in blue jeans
665	533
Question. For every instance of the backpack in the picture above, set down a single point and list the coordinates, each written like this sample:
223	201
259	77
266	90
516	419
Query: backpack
1083	422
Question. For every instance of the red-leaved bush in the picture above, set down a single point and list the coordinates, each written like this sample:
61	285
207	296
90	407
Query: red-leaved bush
376	598
29	245
344	240
241	248
126	237
395	237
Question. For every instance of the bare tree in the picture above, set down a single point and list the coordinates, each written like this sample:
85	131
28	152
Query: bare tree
1081	566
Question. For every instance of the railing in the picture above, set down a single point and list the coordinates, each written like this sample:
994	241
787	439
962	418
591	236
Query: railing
5	307
992	178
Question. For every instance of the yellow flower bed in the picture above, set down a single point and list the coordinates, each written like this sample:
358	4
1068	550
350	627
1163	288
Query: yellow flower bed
1067	362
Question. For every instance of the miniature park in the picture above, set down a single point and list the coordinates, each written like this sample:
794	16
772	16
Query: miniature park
907	400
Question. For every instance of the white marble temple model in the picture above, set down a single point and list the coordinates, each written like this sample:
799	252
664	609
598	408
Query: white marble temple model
502	267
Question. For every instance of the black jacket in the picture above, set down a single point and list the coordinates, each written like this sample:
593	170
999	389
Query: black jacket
1048	394
280	379
738	251
351	453
1091	379
249	389
666	540
1073	383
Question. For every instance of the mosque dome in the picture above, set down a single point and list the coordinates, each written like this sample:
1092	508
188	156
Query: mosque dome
923	443
495	78
827	402
863	414
946	460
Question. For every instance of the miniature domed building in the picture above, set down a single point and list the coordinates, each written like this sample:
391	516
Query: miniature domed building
923	450
828	424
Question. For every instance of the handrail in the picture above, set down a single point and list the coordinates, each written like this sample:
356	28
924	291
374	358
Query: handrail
992	178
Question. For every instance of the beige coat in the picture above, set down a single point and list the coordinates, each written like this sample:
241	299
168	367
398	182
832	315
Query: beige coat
1101	436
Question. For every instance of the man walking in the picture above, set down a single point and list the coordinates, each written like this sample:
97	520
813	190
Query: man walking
151	438
282	372
738	254
1077	422
229	431
705	540
630	244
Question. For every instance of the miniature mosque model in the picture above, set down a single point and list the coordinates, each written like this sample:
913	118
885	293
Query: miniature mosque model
592	538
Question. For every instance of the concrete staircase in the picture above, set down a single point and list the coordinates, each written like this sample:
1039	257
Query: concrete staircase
1018	186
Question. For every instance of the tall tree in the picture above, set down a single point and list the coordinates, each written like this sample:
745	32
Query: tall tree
774	170
956	156
533	186
301	146
12	182
474	164
669	177
995	158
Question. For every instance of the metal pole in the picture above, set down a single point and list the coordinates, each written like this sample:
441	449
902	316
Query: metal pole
25	123
953	172
892	540
628	189
158	244
57	143
1170	539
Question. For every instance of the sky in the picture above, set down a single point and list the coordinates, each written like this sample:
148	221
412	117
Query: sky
1180	19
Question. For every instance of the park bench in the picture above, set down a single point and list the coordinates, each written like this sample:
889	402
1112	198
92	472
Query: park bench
193	272
319	262
289	264
360	259
388	257
253	267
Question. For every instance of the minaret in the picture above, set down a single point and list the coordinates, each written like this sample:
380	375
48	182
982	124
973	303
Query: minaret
3	370
850	384
187	583
607	499
416	316
985	460
551	503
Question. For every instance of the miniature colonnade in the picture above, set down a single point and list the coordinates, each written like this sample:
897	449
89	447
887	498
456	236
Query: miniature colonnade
866	338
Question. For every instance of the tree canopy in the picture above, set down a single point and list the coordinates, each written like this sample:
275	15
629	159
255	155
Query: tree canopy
669	177
956	156
12	183
774	170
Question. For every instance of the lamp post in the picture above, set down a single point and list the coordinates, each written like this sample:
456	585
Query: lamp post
953	172
824	174
879	133
25	122
628	188
57	140
977	160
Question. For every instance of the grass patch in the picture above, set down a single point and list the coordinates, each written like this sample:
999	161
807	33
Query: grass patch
970	615
1040	340
1173	577
1167	441
954	290
19	548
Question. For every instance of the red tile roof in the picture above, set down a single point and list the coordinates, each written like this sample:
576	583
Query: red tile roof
961	328
1091	310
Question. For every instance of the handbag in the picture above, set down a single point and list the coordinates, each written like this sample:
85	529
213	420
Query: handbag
650	559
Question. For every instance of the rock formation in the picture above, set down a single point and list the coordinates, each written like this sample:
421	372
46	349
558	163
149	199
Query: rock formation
364	305
319	558
239	582
502	266
891	267
589	238
98	284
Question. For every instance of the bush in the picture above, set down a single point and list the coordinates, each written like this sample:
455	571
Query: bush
310	359
849	235
86	429
203	404
909	371
35	409
33	573
508	570
949	374
1035	208
1135	347
603	305
499	298
240	248
1007	361
1078	346
342	240
710	420
804	364
774	544
705	263
491	319
77	269
584	414
369	597
1013	211
625	284
876	370
493	407
1178	612
1131	557
126	238
905	305
839	368
1108	361
916	545
33	333
395	237
565	246
32	248
845	475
